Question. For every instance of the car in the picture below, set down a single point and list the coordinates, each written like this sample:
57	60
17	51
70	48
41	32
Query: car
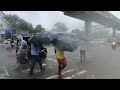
7	41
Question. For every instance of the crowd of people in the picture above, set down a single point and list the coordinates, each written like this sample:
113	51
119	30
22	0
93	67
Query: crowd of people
36	57
33	52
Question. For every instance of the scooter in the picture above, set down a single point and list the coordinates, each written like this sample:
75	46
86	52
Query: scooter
12	43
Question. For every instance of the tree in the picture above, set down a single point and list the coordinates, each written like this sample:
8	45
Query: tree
38	29
30	27
60	27
18	24
13	20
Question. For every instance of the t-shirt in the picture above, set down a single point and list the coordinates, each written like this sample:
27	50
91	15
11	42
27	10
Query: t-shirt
83	45
34	50
59	54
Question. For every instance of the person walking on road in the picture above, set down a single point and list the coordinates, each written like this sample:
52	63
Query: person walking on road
23	47
61	61
35	58
83	46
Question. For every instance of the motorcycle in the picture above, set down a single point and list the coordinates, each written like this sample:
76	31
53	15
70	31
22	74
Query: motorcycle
43	53
114	45
12	43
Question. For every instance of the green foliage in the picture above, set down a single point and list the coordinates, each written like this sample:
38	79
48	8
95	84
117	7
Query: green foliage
38	29
60	27
18	24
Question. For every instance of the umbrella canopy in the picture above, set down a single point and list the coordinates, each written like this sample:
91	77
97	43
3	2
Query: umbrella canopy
57	34
65	43
34	40
41	38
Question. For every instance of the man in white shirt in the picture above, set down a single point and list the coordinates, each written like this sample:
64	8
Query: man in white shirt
83	46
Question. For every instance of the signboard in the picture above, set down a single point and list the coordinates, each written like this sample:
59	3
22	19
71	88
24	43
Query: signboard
8	33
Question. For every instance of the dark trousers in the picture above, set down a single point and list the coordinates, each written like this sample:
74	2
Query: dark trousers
35	59
82	53
60	68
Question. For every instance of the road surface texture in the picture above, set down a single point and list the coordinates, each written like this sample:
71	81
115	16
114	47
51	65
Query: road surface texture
101	63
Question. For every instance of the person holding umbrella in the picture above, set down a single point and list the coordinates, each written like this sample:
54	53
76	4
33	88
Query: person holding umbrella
61	61
35	48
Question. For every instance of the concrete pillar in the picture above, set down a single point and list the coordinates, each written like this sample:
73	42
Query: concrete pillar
114	32
87	27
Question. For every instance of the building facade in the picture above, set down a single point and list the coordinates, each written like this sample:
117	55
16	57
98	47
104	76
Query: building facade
3	23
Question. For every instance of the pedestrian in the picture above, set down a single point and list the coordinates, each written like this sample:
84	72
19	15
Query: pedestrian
22	50
83	47
35	58
61	61
22	44
17	46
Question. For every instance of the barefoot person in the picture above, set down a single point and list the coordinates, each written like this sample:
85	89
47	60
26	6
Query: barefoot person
61	60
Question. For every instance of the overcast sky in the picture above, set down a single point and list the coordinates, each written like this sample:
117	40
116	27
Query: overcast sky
48	18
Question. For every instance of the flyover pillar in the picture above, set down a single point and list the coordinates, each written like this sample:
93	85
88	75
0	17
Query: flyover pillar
87	27
114	32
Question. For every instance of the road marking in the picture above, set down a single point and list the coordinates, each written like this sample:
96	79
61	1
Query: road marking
50	67
68	71
2	77
44	64
55	60
3	74
73	76
79	73
68	78
6	71
50	59
53	76
82	72
6	74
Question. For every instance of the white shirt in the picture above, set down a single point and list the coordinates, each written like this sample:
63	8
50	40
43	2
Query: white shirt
83	45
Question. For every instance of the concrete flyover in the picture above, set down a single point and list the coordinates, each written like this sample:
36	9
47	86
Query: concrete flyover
101	17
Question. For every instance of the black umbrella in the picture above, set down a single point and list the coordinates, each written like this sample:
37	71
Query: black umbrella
65	43
44	38
57	34
35	41
41	38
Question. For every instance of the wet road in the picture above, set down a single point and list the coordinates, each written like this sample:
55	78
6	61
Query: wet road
101	63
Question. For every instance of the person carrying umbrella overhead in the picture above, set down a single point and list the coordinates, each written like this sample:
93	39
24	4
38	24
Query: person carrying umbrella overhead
35	48
61	61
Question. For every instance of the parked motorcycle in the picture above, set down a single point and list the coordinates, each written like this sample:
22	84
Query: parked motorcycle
43	53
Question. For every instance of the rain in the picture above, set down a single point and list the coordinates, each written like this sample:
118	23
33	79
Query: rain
59	44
